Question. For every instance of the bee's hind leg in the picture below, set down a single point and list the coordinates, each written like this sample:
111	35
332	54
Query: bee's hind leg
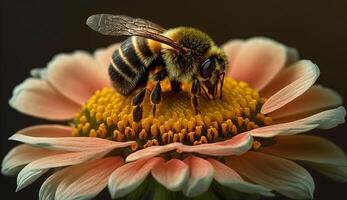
156	94
136	102
195	90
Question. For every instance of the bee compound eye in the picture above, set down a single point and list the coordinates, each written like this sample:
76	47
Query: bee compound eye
207	68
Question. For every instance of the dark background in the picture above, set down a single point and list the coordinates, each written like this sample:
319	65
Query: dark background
32	32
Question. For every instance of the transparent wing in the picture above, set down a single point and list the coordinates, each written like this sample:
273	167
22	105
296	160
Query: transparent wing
116	25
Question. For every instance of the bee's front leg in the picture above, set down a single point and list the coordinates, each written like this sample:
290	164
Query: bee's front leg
195	90
156	92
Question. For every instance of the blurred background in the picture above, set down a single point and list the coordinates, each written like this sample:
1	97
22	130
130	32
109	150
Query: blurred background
32	32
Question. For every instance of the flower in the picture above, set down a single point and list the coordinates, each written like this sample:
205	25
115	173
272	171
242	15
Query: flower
244	144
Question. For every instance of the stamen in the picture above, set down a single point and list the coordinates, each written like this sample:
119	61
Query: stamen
108	115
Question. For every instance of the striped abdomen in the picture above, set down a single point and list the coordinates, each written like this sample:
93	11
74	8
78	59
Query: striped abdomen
130	63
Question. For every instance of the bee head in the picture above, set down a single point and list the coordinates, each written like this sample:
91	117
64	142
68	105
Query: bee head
211	71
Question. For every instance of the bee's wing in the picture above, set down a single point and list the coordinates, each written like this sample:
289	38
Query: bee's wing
116	25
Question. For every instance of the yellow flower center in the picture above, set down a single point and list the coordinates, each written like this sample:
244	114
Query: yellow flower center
108	115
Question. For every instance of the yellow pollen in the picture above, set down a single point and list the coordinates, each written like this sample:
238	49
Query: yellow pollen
108	114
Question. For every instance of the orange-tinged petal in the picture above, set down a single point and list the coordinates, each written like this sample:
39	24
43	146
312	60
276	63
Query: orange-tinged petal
35	169
323	120
128	177
77	76
58	137
314	100
229	178
258	61
200	176
90	179
21	155
172	174
290	84
234	146
276	173
84	175
37	98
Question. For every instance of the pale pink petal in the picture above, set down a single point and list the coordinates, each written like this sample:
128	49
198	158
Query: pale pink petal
21	155
90	179
49	187
77	76
103	56
35	169
231	49
234	146
37	98
338	173
172	174
308	148
80	174
323	120
315	152
258	61
292	56
151	151
200	176
58	137
315	99
281	175
128	177
289	84
229	178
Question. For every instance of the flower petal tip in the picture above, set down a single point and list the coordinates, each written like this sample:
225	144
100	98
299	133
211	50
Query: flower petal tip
307	74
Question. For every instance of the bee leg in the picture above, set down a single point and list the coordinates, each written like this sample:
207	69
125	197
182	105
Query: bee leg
156	96
156	92
136	102
221	79
195	90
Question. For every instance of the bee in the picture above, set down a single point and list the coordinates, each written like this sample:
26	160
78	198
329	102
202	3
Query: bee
181	54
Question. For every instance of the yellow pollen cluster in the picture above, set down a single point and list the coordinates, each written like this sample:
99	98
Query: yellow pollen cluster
108	115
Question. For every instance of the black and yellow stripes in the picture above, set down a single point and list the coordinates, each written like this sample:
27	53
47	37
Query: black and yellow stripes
129	63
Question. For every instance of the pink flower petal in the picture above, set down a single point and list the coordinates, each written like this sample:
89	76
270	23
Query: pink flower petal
229	178
315	152
58	137
200	176
314	100
37	98
90	179
103	57
172	174
128	177
77	76
231	49
35	169
338	173
323	120
258	61
21	155
292	55
289	84
283	176
308	148
83	173
234	146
